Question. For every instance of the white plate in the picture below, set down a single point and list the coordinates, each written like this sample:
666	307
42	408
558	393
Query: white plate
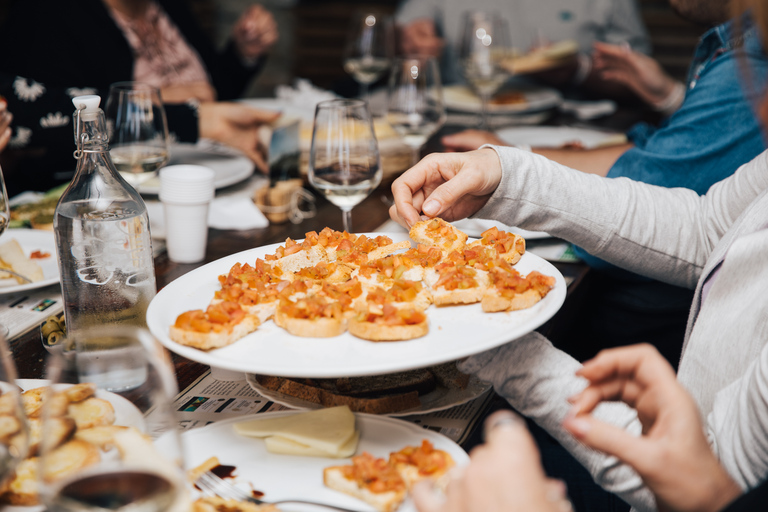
231	166
475	228
461	98
33	240
436	400
290	476
125	414
454	332
557	136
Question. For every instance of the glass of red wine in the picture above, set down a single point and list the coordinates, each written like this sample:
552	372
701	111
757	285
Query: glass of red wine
344	161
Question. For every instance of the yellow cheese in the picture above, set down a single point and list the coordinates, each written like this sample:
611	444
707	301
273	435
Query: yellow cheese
282	445
14	258
324	429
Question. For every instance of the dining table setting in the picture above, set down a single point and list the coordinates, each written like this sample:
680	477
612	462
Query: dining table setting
332	161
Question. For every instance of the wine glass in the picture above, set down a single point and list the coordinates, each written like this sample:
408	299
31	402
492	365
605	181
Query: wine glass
138	130
5	211
126	452
415	107
344	162
369	49
484	47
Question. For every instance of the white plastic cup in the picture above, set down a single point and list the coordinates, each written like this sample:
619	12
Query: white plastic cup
186	192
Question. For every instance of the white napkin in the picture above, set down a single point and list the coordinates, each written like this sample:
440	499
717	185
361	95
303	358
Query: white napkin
303	95
586	110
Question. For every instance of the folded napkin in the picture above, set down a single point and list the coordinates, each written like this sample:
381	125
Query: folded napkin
303	95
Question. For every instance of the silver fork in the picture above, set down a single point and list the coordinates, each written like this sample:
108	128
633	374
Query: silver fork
213	484
14	274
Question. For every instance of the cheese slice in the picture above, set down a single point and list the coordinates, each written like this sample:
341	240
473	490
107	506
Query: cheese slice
13	258
282	445
324	429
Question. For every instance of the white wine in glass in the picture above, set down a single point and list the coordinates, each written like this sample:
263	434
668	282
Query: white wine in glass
415	108
370	48
484	47
344	162
139	130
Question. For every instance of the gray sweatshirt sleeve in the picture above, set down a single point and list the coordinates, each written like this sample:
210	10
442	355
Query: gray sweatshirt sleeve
537	379
663	233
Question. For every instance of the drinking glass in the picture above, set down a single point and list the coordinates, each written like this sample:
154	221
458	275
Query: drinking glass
5	211
344	162
126	452
14	442
415	107
484	46
369	49
138	130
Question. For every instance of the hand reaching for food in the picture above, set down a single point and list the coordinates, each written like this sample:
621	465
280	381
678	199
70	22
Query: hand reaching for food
450	185
237	126
672	456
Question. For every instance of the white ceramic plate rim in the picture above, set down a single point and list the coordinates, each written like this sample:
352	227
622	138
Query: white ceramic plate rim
32	240
455	332
438	399
476	227
462	99
288	476
237	168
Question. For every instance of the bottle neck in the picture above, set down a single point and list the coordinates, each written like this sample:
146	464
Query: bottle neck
91	132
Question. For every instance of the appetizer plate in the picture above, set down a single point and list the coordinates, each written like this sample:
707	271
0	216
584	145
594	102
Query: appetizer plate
476	227
454	332
291	476
462	99
436	400
559	136
33	240
231	166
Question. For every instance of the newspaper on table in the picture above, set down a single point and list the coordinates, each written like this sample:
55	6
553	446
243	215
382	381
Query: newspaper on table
208	400
21	312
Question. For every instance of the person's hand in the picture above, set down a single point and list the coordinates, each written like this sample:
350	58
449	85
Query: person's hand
640	73
451	185
672	456
5	123
420	38
200	91
255	32
238	126
503	475
468	140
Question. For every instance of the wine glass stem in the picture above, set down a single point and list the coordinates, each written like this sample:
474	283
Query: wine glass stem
347	219
484	124
364	93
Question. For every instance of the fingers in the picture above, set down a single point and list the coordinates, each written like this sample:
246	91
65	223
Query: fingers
635	451
506	432
426	498
642	363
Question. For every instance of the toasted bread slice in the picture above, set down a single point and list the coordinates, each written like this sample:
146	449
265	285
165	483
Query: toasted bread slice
381	252
494	302
69	458
22	490
92	412
211	340
32	401
312	328
449	376
439	233
373	331
302	259
60	429
102	436
389	501
80	392
467	293
216	504
424	462
9	425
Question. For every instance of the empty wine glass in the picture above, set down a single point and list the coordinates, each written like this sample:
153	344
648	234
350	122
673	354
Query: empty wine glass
344	162
484	47
126	452
138	130
415	107
369	49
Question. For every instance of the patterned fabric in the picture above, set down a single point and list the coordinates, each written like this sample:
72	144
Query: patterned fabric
161	55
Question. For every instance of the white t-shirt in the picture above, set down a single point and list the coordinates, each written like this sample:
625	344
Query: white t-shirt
584	21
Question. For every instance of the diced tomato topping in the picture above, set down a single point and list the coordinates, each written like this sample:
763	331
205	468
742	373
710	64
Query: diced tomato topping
374	474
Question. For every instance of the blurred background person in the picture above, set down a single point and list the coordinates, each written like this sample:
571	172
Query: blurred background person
65	48
433	27
5	123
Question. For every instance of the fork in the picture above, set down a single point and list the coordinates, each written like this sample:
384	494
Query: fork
211	483
14	274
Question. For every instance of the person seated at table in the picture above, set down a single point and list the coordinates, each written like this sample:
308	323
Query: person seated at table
433	27
672	455
64	48
716	244
692	149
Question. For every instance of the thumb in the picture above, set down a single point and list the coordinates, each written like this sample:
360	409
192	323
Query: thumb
426	497
609	439
258	116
